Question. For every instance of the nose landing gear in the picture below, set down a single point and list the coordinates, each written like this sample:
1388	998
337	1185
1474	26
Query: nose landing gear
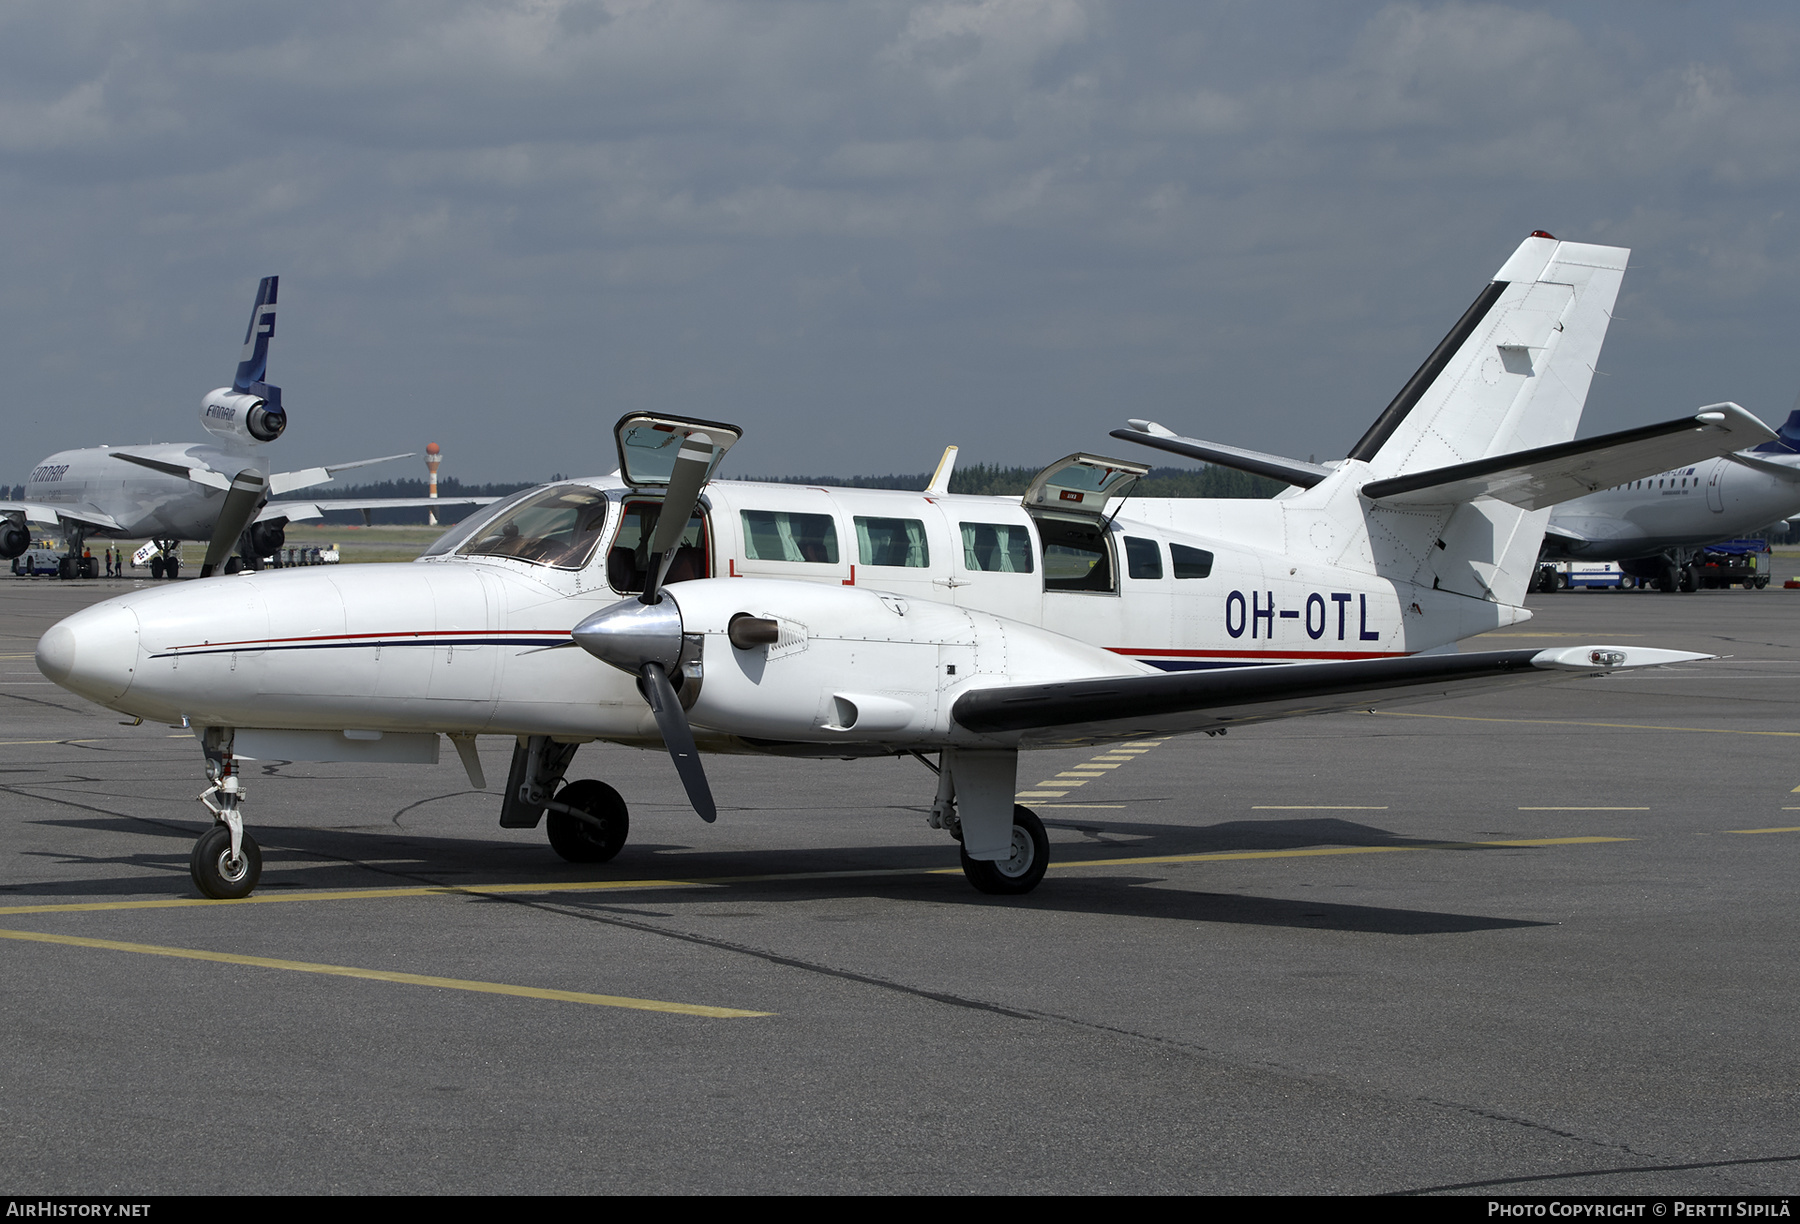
227	862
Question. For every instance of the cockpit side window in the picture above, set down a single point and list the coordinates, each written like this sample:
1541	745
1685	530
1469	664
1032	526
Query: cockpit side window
560	527
453	539
628	561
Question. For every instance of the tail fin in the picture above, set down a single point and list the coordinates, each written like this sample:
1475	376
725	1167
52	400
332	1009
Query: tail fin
1787	438
253	362
1514	371
1512	375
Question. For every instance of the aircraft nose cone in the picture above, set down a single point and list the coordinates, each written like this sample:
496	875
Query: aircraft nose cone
93	652
630	634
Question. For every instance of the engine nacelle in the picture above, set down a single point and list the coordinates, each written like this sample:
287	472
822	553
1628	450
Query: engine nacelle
243	418
268	538
14	539
857	665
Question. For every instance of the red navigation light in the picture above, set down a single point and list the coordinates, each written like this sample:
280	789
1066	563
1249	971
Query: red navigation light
1542	234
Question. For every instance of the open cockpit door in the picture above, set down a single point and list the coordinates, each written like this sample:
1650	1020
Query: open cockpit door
1081	486
649	445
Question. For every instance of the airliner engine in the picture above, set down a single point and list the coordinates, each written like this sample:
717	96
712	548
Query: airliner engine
244	418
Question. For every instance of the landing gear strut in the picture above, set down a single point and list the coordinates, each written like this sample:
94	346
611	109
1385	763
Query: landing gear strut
974	796
227	862
588	821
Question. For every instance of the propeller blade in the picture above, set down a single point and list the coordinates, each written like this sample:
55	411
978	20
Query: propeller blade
672	721
685	483
242	501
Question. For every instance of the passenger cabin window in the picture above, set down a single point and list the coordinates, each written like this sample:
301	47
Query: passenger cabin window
1076	556
892	541
782	535
628	562
997	548
1143	558
1191	562
558	527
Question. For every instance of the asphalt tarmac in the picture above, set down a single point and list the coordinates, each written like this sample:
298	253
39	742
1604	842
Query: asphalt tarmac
1540	942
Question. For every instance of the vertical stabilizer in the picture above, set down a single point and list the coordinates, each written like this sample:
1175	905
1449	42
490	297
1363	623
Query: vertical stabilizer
1514	371
253	362
1512	374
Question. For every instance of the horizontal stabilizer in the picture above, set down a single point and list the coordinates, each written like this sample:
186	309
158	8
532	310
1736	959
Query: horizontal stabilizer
1131	706
1257	463
1533	479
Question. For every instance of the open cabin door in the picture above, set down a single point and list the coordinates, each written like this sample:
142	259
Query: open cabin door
648	445
1080	486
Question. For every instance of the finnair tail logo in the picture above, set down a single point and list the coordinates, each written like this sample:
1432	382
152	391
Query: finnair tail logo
262	323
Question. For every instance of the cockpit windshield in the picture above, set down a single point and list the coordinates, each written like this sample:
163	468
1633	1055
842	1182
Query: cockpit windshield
560	526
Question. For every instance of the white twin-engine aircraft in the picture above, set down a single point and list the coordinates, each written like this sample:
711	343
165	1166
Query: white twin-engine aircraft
764	618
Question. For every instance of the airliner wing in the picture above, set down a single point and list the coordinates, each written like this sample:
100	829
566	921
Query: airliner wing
305	478
1086	711
294	511
43	512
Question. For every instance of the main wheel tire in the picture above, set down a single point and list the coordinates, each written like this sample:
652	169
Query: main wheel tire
214	872
172	567
580	841
1020	873
156	568
233	565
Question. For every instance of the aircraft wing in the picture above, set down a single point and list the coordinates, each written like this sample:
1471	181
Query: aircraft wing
1547	475
200	474
1130	707
43	512
305	478
295	511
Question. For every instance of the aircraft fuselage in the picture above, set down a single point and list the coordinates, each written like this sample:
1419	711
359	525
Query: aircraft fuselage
1685	508
868	579
147	504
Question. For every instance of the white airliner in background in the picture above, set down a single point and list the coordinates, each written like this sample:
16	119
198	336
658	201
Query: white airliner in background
808	622
168	492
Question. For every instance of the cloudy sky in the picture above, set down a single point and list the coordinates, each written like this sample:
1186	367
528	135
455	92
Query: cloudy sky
866	230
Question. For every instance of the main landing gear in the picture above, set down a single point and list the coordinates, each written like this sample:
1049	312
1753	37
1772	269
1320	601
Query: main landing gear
588	821
227	862
974	799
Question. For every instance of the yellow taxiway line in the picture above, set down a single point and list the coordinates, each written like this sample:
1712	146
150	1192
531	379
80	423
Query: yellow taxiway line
384	975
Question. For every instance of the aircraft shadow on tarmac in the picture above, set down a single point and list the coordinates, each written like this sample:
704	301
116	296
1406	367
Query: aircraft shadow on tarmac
335	858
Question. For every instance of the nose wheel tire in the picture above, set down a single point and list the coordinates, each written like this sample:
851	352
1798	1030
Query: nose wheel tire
1020	872
596	839
216	873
